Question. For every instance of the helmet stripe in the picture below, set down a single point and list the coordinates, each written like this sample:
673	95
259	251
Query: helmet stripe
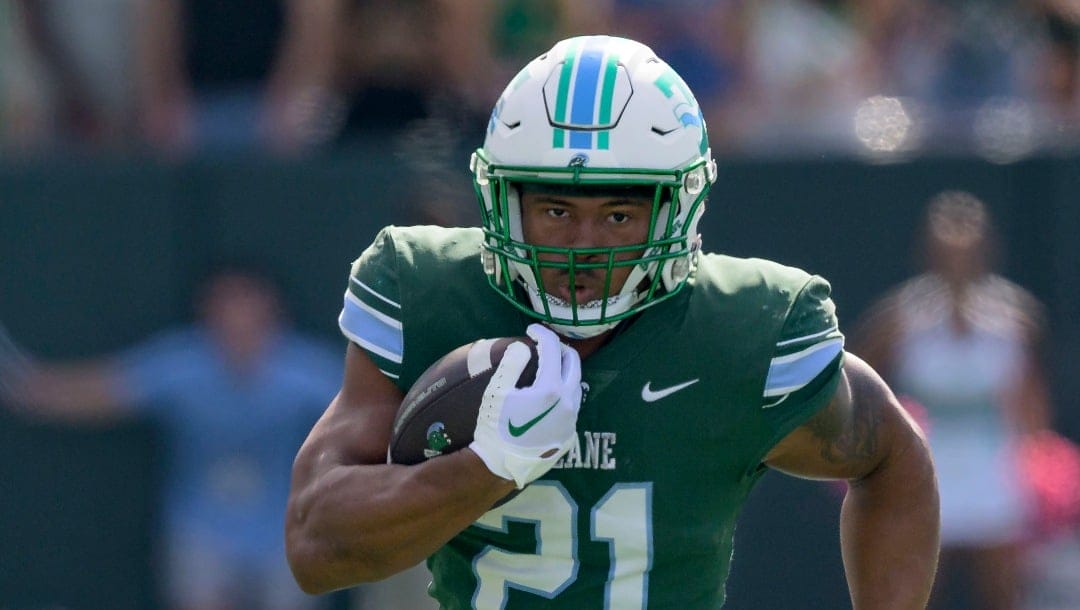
586	82
564	90
610	71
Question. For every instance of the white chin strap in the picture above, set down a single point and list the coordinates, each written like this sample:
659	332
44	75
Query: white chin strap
560	309
582	332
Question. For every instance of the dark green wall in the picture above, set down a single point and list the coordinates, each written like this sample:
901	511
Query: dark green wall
96	254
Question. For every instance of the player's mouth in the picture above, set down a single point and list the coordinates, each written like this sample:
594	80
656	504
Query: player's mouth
586	290
579	294
588	287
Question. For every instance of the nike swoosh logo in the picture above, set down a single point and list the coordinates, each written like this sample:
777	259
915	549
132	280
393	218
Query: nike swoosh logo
650	395
522	429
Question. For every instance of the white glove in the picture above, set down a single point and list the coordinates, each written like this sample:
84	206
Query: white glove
521	433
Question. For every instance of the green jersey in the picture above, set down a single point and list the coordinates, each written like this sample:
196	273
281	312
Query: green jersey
680	407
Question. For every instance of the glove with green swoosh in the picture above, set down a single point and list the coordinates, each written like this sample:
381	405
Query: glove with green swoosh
522	432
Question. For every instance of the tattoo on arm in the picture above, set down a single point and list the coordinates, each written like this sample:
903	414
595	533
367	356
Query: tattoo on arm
847	433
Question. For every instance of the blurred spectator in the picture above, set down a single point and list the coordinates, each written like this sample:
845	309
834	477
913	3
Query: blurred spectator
73	56
234	395
836	76
970	71
706	45
808	70
407	60
243	75
423	73
1059	82
966	345
520	30
409	78
976	49
401	61
8	80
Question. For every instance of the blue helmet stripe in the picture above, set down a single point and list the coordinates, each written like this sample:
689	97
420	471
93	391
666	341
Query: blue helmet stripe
581	139
586	83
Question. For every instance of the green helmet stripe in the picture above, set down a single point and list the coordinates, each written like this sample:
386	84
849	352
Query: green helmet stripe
606	95
558	138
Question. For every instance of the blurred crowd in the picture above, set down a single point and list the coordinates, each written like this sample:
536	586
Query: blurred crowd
777	77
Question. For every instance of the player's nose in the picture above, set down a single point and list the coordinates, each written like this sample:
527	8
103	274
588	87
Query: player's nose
586	234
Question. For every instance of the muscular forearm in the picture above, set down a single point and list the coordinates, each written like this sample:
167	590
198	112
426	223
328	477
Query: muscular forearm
890	529
362	523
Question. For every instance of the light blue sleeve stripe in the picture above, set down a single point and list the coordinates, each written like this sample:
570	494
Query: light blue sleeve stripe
791	372
371	330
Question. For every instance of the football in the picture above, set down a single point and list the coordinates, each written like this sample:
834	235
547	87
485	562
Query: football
438	414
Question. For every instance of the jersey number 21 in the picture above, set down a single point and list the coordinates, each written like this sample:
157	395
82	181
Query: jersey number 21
622	518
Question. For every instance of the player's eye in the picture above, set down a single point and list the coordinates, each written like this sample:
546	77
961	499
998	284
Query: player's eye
619	217
557	212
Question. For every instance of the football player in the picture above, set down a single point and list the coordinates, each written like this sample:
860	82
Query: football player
678	377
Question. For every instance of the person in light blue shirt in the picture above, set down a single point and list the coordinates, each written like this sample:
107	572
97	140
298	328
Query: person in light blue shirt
233	395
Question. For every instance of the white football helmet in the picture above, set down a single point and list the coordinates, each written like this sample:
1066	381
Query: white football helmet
594	111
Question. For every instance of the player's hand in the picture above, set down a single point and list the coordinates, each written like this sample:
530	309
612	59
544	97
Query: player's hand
522	432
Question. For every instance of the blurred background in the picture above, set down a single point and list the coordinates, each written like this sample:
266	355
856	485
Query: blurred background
144	142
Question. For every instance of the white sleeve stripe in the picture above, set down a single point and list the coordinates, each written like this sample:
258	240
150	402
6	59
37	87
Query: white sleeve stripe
373	293
351	298
805	353
807	337
389	374
773	404
794	371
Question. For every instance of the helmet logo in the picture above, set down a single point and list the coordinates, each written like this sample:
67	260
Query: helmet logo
687	110
578	160
688	115
495	115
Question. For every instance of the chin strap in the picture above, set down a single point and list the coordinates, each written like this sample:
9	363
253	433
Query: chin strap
583	332
562	309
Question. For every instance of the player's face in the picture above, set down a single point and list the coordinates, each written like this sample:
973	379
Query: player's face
573	221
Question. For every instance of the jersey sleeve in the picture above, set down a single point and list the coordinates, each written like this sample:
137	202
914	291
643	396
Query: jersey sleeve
371	313
805	366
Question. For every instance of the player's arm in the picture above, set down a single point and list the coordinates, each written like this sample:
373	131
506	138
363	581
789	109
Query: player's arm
354	518
889	521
